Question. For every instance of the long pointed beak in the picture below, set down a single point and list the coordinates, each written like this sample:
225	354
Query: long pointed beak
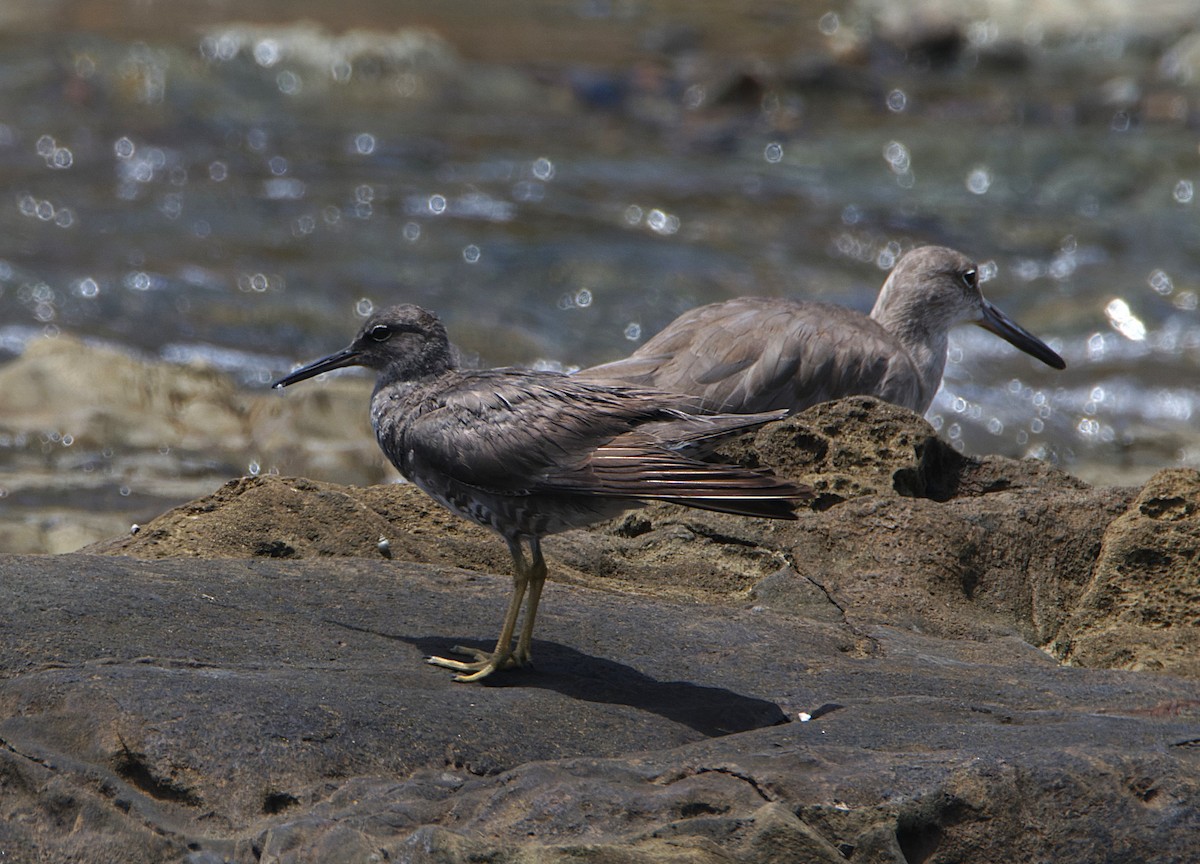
1010	331
343	358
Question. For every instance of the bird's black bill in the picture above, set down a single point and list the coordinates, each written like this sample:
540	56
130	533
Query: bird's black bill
1010	331
343	358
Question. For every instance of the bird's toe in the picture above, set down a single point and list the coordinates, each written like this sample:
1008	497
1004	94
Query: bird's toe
484	664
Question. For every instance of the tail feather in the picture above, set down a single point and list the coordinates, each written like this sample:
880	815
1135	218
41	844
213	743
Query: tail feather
766	508
632	471
699	435
658	461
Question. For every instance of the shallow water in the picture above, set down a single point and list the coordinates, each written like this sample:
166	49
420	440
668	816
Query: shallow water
560	182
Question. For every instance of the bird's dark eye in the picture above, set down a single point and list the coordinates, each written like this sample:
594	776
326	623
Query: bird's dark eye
970	277
381	332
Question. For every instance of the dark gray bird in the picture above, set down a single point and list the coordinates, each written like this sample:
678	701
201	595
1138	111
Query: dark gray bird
760	354
532	453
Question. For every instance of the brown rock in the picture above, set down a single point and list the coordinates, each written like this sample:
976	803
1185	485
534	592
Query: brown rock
99	395
851	447
291	517
1141	609
287	517
863	446
1010	562
1013	556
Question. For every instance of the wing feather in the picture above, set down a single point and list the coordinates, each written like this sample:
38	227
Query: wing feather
497	429
755	354
527	433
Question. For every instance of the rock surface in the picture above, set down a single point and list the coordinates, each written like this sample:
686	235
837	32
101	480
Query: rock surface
1011	553
1141	609
93	439
279	711
241	679
98	395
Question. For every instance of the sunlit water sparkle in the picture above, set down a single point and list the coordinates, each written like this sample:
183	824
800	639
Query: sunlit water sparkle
242	199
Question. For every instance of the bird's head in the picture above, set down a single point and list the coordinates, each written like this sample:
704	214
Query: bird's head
932	288
405	341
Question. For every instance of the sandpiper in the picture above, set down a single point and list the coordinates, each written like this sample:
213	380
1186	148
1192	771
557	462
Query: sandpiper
756	354
532	453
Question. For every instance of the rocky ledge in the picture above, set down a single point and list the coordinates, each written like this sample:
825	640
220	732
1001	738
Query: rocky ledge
945	659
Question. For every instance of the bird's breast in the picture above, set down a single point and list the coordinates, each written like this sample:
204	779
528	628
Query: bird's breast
392	414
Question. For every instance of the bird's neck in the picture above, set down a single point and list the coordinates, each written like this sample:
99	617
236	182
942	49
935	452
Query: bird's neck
925	345
399	381
395	404
929	358
432	362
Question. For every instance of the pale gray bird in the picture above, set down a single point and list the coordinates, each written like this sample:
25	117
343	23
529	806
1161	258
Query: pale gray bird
533	453
755	354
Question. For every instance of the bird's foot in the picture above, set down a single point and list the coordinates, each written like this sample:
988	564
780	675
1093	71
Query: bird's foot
485	663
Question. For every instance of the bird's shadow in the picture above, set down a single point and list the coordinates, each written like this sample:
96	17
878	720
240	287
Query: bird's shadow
711	711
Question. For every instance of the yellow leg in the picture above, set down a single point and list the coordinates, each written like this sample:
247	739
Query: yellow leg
537	578
486	662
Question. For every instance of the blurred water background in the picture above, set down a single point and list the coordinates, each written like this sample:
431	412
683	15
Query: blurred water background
235	185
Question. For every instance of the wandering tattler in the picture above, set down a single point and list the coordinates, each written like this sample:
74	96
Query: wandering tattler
532	453
759	354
